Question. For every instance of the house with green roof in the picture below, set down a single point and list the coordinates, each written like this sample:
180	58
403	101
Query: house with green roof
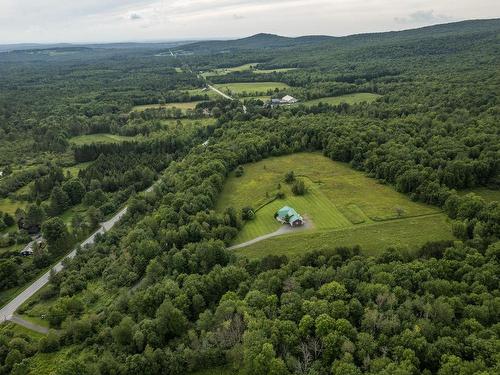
287	215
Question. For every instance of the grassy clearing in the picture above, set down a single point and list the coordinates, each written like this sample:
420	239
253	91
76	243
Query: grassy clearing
489	195
349	99
251	88
74	169
10	206
99	138
337	197
182	106
407	234
224	71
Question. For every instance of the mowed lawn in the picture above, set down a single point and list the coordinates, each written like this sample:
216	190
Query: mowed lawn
337	197
99	138
406	234
348	98
251	88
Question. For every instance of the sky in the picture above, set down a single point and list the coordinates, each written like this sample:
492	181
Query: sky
82	21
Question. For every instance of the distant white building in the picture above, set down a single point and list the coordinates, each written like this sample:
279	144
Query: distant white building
286	100
1	173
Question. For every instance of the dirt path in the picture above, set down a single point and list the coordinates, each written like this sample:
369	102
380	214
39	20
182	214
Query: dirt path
285	229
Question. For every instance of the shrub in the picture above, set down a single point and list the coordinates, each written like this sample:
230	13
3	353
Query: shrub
299	188
239	171
289	177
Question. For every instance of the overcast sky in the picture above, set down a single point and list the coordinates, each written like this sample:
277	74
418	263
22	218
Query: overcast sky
24	21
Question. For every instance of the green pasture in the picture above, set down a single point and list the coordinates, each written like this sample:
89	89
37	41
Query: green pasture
337	196
348	98
251	88
181	105
268	71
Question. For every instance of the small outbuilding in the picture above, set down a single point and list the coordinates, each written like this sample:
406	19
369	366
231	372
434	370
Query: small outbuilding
287	215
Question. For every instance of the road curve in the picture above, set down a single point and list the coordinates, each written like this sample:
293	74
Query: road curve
8	310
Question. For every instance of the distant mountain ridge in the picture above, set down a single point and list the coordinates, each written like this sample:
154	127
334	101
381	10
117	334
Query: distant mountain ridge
261	40
264	40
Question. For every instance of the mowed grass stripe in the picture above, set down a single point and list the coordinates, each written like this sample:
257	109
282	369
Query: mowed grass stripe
407	234
314	205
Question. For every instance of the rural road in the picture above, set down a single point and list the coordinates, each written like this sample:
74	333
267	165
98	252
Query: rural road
7	312
219	92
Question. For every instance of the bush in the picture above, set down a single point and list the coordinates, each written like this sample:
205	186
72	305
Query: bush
239	171
247	213
49	343
289	177
299	188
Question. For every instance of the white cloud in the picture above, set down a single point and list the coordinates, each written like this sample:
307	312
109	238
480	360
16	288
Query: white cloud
423	17
110	20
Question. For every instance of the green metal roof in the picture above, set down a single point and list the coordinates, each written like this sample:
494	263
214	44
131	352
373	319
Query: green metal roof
290	212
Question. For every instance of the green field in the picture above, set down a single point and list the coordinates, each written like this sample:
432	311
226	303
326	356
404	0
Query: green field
337	198
182	106
407	234
99	138
224	71
252	88
244	68
349	99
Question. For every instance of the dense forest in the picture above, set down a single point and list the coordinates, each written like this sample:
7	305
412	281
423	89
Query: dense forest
161	293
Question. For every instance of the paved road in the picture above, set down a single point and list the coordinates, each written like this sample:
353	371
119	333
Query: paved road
8	310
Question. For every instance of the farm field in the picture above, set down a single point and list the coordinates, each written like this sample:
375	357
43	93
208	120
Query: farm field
224	71
182	106
348	98
337	196
251	88
99	138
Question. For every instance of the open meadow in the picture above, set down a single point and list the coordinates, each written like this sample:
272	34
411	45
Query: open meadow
338	198
251	88
181	105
